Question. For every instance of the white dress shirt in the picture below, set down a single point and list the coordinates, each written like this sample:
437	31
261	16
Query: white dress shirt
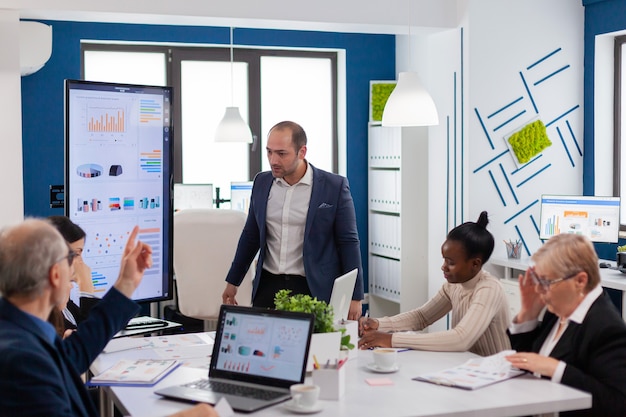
287	208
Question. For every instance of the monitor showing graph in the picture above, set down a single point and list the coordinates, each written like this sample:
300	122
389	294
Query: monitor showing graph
118	159
595	217
240	192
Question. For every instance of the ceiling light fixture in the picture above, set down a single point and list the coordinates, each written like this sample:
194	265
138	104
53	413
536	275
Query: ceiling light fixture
409	103
232	128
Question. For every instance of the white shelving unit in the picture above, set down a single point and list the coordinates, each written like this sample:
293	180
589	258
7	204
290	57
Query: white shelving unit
398	219
509	269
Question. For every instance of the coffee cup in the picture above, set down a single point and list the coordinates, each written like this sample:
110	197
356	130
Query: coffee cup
304	395
385	359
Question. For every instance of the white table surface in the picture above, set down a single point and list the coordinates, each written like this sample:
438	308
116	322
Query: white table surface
524	395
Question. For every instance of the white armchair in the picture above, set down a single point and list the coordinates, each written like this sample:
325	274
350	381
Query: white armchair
205	241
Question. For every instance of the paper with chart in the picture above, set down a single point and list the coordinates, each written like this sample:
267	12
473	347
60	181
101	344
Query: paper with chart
475	373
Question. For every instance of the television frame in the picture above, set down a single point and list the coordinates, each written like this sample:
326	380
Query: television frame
131	185
600	226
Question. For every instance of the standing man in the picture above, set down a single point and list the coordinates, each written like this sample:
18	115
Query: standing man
302	219
40	374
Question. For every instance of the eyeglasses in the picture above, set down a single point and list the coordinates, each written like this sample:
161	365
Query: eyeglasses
545	284
70	257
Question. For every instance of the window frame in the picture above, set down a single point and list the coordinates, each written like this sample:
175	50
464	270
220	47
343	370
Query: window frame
176	54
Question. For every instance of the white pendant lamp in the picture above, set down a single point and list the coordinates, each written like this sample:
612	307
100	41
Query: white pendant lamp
410	104
232	128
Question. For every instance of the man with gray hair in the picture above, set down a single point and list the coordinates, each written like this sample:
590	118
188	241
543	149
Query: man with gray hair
39	372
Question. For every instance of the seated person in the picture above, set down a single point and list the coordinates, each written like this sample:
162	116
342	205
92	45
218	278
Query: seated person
40	372
581	339
480	311
75	236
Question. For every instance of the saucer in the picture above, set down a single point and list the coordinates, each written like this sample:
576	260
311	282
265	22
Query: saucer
374	368
291	406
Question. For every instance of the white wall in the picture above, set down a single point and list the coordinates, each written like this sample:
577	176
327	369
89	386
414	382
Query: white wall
12	209
513	45
494	47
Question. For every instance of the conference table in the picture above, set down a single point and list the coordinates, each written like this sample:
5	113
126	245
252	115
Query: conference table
523	395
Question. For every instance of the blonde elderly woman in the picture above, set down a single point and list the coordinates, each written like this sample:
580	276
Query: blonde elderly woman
581	339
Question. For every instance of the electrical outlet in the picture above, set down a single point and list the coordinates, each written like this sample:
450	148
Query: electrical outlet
57	196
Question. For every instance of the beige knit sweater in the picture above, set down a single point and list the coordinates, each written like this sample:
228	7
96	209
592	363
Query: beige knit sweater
480	317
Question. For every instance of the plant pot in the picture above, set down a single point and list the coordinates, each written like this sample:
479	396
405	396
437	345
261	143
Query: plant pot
325	347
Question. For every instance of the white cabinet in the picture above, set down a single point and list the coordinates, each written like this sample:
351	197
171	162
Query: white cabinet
508	270
398	219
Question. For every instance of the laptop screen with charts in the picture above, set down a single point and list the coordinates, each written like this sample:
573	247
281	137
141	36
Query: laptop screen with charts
255	350
342	294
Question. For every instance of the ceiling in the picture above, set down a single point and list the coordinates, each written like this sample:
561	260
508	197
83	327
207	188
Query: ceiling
361	16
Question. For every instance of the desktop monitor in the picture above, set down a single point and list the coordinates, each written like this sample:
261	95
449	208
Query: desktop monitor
591	216
118	171
240	192
193	196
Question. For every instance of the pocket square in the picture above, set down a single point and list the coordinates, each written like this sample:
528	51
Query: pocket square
325	205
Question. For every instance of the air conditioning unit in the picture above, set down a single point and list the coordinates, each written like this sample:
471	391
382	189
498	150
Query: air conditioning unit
35	46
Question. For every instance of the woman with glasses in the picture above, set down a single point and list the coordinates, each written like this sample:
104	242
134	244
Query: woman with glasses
581	339
72	314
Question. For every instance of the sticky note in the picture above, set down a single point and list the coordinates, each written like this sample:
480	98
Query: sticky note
379	381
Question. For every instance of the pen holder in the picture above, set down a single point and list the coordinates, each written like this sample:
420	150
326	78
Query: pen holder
331	380
513	249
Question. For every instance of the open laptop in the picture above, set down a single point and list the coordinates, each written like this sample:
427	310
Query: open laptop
342	294
258	354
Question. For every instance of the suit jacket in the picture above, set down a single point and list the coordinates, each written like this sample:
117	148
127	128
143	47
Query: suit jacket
39	378
331	240
595	356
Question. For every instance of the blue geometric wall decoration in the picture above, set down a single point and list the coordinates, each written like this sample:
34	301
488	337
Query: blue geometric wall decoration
501	169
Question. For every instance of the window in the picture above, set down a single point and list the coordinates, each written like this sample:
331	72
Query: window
268	86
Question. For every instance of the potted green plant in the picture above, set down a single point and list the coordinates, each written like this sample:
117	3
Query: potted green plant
326	338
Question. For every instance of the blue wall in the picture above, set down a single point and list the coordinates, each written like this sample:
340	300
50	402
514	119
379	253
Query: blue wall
601	16
368	57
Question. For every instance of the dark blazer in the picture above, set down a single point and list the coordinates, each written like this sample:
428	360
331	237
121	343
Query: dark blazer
595	354
331	240
39	378
81	312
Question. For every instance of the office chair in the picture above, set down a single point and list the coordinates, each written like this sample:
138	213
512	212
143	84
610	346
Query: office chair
205	241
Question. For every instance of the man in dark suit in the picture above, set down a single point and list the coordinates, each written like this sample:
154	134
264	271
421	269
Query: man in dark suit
303	222
40	372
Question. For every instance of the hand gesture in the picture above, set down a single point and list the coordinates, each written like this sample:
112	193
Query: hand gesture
83	275
355	310
137	257
374	338
228	296
533	362
531	302
366	324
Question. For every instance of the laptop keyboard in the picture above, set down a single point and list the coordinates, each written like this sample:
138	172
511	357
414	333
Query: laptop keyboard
234	389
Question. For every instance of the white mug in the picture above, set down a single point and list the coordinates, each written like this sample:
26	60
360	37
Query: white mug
305	395
385	358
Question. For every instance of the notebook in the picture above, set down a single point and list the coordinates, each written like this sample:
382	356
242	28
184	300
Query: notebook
258	354
342	294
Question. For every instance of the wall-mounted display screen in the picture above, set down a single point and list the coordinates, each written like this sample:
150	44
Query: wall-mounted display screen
595	217
118	159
